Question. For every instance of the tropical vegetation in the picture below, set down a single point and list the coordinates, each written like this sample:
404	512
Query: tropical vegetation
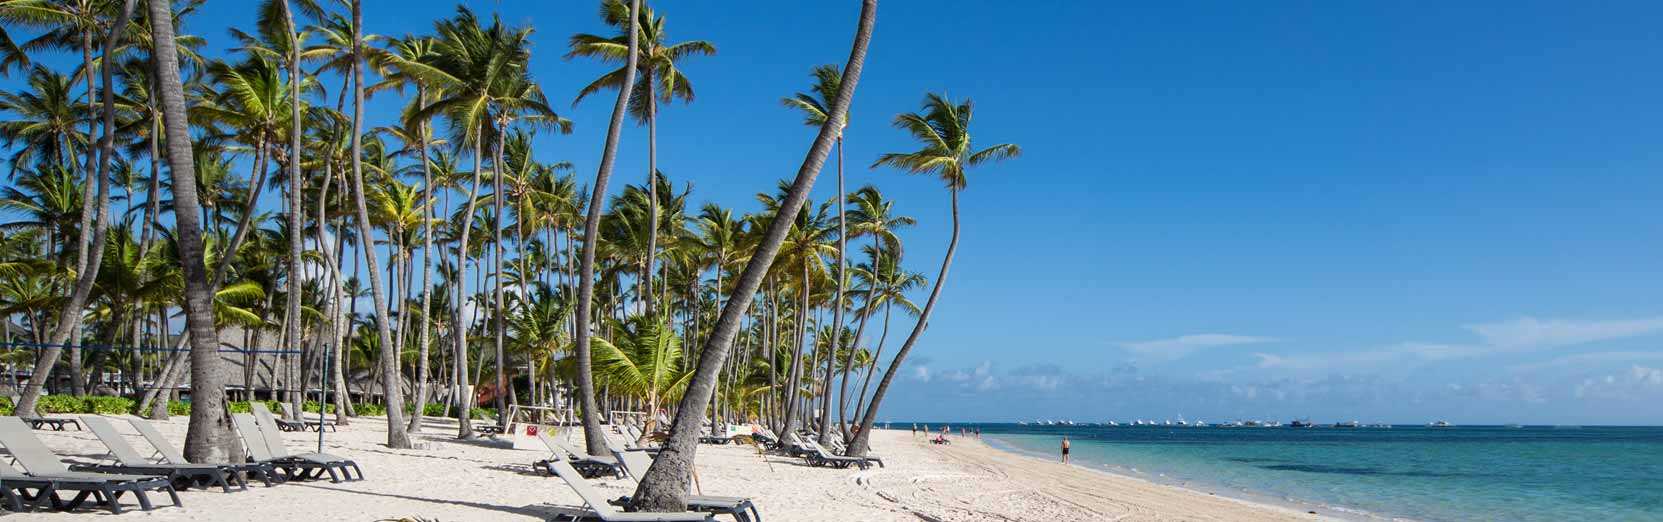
168	213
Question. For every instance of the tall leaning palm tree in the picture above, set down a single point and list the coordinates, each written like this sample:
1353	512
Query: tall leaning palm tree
592	436
91	246
943	128
827	79
398	435
665	485
209	438
659	80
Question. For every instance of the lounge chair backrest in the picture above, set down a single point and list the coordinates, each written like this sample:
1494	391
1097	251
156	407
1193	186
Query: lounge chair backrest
268	429
553	444
119	448
169	453
569	449
594	499
35	457
253	440
635	462
288	410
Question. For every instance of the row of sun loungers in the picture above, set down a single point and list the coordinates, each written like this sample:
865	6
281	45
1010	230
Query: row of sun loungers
44	479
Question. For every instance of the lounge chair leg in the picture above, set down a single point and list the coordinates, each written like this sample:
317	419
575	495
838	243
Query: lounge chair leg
174	495
144	499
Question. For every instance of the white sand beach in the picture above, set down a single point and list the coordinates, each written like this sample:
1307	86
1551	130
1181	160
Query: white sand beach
965	481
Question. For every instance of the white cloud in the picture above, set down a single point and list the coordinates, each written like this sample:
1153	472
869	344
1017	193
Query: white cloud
921	373
1529	332
1639	382
1176	347
1587	359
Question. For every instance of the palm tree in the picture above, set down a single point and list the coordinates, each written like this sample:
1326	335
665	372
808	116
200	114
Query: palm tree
658	80
412	56
943	128
827	80
665	485
44	129
593	440
872	218
644	359
209	438
397	434
91	246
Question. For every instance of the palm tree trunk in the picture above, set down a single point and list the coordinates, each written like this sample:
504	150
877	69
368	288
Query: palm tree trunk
837	311
296	209
427	274
792	381
464	399
652	191
396	436
497	167
209	438
859	446
90	250
665	486
593	440
872	365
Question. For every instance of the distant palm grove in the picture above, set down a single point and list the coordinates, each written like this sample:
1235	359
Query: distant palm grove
178	221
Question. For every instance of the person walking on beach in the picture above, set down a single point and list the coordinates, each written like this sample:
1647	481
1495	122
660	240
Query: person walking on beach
915	430
1065	449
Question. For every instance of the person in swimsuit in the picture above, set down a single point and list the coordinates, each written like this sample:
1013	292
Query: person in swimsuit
1065	449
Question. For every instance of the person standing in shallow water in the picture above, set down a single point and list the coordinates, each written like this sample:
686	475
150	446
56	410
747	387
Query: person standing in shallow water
1065	449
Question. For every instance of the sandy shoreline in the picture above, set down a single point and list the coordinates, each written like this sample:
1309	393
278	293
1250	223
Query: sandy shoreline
966	481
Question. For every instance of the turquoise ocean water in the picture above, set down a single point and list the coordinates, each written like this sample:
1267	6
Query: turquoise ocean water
1457	473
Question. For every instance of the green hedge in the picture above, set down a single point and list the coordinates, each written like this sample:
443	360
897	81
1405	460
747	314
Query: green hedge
54	404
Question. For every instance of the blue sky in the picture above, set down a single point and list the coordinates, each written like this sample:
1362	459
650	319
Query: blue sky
1381	211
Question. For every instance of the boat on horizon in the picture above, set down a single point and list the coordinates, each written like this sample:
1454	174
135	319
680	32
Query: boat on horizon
1349	424
1301	423
1440	424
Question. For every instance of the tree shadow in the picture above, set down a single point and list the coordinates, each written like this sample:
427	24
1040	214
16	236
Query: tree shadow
542	511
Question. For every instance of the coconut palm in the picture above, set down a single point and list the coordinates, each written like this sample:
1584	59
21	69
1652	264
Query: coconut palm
665	485
397	434
943	128
827	80
872	217
643	359
405	66
593	440
43	128
209	438
659	80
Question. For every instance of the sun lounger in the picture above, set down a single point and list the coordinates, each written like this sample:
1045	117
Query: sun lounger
590	466
596	506
741	509
267	447
821	453
839	449
171	455
303	424
47	476
55	423
128	460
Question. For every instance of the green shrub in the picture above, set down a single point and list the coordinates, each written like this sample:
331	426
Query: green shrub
243	407
371	409
6	406
434	409
483	413
312	407
178	408
105	405
59	404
